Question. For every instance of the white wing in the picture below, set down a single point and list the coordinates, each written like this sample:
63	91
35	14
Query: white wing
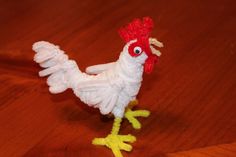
97	69
102	93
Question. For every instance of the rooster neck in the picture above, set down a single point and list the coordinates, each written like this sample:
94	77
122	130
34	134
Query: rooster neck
129	69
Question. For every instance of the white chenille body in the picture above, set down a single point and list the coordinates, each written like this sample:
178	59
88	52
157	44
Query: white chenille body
109	87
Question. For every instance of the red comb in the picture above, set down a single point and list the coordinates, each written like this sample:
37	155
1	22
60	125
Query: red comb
137	29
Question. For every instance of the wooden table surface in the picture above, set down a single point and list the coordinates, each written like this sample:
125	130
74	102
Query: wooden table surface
191	93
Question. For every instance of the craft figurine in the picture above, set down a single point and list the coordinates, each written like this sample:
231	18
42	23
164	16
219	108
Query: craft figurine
111	87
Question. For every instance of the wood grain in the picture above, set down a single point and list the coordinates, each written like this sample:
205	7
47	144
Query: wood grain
223	150
191	93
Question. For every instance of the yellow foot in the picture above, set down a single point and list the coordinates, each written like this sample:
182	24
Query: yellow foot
131	116
116	143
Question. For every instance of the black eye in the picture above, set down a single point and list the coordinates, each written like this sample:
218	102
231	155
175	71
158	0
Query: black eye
137	50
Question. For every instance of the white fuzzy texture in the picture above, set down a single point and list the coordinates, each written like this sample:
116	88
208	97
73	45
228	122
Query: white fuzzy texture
112	87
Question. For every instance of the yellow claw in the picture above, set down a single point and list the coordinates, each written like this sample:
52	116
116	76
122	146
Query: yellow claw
114	141
131	115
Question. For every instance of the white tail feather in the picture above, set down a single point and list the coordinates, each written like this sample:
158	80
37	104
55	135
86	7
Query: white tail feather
56	64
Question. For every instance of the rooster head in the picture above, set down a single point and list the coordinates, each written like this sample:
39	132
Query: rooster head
140	45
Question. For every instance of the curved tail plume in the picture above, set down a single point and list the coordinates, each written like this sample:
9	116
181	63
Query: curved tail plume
56	64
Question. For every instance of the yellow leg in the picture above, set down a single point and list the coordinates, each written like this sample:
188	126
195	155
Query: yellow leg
114	141
131	115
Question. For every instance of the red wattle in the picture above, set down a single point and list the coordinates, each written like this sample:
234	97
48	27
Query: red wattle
149	64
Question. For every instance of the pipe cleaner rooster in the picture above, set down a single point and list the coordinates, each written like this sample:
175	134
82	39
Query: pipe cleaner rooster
111	87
